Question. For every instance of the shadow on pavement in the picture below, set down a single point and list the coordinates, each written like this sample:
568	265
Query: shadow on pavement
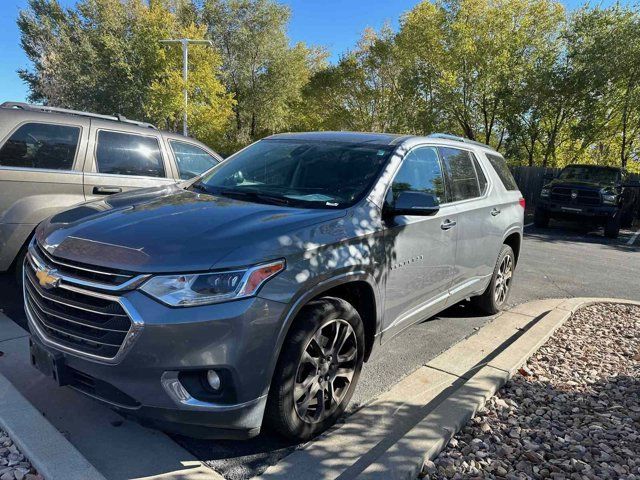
571	232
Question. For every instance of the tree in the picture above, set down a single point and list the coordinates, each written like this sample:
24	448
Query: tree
264	74
604	46
105	56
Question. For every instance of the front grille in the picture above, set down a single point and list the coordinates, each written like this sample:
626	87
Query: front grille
76	318
584	197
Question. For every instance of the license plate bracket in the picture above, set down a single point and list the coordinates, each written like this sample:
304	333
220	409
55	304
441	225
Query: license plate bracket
50	364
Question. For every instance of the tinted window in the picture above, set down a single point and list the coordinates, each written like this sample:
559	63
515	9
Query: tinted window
191	160
40	145
482	180
308	173
500	166
127	154
461	173
589	174
420	172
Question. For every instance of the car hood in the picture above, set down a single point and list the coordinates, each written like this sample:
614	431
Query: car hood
577	184
168	229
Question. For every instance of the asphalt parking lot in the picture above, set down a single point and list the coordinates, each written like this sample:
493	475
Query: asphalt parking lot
560	261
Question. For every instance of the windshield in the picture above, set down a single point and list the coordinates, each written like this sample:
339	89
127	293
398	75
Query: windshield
298	172
589	174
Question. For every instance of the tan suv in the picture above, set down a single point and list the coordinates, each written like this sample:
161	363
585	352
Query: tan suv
52	158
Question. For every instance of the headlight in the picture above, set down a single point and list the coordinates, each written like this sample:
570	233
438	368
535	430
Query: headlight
544	192
609	198
204	288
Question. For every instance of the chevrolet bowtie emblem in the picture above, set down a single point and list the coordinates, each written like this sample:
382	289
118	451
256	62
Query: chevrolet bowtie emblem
48	278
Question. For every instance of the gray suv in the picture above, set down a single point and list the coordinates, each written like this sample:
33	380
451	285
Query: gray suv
52	158
253	294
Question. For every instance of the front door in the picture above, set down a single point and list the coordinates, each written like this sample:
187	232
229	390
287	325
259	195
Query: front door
420	250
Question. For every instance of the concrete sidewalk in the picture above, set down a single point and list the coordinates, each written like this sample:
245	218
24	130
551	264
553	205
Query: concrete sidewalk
117	448
392	437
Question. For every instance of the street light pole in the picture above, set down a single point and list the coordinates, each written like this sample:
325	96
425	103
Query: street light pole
185	69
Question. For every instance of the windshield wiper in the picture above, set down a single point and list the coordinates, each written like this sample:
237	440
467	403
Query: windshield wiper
250	194
199	186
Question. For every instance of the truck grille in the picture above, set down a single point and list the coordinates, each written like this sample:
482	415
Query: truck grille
79	319
584	197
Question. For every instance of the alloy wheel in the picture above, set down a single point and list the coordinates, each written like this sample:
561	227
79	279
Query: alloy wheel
503	279
325	371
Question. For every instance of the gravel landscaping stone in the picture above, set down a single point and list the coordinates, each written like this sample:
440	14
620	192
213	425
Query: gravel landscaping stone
572	412
13	465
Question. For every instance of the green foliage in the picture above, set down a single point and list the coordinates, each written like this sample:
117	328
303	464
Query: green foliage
105	56
262	71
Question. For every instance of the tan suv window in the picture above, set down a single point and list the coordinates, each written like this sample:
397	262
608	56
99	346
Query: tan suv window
41	145
191	160
128	154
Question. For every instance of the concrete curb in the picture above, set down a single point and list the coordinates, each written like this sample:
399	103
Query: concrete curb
405	459
393	436
48	451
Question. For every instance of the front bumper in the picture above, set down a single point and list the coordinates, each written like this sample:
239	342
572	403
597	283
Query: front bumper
571	211
236	337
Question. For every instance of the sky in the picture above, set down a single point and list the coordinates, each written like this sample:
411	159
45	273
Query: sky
334	24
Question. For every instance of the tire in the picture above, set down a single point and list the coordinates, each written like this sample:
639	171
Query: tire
492	301
612	226
541	218
293	410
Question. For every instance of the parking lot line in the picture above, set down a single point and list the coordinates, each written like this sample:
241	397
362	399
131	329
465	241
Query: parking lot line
633	238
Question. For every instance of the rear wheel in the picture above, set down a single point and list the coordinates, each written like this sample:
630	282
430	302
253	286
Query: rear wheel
318	369
541	218
612	226
495	296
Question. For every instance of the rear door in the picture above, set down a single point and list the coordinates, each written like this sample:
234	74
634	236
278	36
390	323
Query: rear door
40	174
119	161
479	231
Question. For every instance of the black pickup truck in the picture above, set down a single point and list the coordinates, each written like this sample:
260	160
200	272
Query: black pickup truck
589	194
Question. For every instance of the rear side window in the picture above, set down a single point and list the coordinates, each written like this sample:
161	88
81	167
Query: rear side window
500	166
128	154
482	180
191	160
41	145
461	173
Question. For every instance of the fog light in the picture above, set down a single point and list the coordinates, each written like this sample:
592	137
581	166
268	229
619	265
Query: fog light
213	379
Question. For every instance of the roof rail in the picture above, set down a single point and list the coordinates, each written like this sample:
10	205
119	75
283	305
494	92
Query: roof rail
448	136
46	108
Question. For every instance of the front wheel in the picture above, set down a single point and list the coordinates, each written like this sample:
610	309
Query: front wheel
318	369
627	218
612	226
541	218
495	296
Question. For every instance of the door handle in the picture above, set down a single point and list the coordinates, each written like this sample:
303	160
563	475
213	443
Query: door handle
447	224
495	211
106	190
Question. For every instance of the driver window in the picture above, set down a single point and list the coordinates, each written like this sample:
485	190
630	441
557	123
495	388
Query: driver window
127	154
420	172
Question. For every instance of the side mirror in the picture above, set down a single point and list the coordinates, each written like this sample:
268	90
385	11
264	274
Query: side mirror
414	203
